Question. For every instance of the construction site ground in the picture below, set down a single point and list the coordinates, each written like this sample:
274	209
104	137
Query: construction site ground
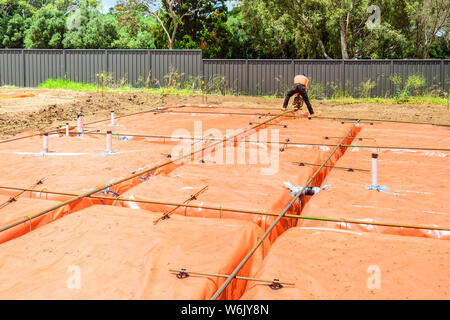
184	189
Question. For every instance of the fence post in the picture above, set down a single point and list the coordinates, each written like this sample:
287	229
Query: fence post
248	77
107	62
149	53
343	77
24	68
64	64
442	75
390	75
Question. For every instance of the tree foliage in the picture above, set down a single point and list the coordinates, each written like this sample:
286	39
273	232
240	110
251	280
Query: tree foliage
305	29
88	29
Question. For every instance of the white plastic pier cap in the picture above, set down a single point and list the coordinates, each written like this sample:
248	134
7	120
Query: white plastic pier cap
374	169
45	143
80	123
113	122
109	141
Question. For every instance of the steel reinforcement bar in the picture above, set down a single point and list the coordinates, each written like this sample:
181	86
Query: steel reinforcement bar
236	210
137	174
305	116
261	240
273	142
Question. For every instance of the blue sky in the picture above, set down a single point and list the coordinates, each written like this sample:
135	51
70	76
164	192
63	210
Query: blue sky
108	4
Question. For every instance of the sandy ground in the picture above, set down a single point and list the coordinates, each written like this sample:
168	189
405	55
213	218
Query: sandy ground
48	109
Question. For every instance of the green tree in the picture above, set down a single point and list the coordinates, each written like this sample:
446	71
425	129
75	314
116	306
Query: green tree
136	30
258	33
88	29
14	20
46	30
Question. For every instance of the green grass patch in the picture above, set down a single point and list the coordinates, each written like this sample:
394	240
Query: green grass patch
68	85
409	100
126	87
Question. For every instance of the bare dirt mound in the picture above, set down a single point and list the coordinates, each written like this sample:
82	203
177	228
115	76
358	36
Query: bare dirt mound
44	109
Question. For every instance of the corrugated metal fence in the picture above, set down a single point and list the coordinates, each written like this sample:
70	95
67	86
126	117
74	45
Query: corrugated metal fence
269	77
29	68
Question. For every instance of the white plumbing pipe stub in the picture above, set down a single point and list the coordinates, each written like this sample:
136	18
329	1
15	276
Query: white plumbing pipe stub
109	142
375	169
113	120
67	129
45	143
80	123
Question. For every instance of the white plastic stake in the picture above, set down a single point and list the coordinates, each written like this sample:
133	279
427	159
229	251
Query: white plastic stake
45	147
374	169
80	122
109	142
113	123
67	129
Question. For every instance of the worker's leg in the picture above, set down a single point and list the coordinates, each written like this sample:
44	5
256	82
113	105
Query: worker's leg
288	96
306	99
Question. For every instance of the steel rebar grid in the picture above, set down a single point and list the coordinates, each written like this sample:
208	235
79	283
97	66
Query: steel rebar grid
137	174
252	251
236	210
273	142
237	277
192	197
306	117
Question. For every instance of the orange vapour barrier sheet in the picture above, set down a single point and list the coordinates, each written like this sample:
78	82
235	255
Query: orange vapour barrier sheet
121	254
416	178
342	264
176	124
228	186
75	164
22	208
243	186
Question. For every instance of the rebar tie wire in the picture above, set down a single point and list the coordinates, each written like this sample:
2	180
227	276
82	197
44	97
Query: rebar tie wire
14	197
274	284
166	215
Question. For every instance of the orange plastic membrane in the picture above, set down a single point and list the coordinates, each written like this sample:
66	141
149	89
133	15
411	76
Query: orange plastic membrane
416	180
118	253
343	264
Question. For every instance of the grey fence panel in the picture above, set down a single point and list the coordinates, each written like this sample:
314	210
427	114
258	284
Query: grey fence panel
359	71
446	75
430	69
269	77
11	68
185	63
131	66
29	68
235	73
325	75
84	65
42	65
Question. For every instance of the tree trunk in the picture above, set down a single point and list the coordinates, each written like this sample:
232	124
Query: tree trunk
344	51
